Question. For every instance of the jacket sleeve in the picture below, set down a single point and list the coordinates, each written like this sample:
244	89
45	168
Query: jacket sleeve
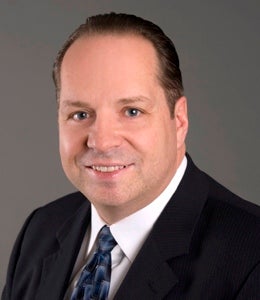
8	288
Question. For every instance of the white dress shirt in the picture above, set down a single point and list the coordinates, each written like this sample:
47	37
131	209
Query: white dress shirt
130	234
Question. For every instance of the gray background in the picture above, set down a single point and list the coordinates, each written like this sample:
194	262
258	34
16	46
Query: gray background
218	44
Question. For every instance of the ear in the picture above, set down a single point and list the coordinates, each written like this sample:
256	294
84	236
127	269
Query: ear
181	120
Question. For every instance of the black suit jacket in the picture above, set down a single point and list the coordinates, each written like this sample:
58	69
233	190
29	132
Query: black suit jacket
205	245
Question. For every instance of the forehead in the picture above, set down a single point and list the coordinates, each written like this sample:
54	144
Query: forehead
111	52
119	41
110	67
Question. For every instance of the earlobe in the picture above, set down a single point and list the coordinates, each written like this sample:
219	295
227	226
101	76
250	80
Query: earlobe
181	117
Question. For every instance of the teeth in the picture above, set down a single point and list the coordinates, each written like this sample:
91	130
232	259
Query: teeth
107	169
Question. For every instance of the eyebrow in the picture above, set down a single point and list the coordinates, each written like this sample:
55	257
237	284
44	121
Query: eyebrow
131	100
70	103
122	101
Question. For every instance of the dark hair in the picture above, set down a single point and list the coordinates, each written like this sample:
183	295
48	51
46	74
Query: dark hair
169	72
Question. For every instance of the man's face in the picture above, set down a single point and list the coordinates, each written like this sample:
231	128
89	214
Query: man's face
118	143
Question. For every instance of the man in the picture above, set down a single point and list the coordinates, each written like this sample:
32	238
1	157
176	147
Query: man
174	232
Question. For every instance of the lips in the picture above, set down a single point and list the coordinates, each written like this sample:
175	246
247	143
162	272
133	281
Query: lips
107	169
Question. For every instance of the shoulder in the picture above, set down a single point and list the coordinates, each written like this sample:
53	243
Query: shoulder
47	220
55	213
226	220
227	234
218	196
222	198
46	223
64	206
40	237
232	223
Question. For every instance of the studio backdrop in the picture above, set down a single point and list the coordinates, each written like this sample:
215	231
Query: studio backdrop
218	44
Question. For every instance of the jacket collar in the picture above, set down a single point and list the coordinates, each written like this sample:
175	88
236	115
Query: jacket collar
150	276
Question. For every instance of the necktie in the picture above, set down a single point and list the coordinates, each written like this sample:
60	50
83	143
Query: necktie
94	280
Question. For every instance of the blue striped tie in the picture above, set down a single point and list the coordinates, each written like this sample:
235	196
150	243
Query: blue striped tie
94	280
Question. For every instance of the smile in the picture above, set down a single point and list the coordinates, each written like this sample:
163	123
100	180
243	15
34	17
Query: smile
107	169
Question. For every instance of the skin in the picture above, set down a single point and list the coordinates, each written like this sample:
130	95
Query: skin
119	144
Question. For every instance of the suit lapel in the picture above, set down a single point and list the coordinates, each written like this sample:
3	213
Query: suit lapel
57	267
150	276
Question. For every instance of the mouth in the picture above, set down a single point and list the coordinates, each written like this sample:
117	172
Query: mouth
107	169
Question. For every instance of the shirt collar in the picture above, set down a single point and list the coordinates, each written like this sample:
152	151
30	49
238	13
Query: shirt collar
131	232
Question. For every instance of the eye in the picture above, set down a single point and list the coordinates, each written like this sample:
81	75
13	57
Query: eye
79	116
132	112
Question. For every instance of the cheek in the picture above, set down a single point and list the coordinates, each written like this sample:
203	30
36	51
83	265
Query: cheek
152	145
165	146
70	143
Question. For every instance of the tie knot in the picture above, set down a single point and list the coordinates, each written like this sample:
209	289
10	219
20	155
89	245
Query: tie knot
106	241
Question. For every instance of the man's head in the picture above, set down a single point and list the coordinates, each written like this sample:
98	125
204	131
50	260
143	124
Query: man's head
120	140
169	73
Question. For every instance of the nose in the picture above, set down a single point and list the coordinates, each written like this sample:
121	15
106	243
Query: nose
104	134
